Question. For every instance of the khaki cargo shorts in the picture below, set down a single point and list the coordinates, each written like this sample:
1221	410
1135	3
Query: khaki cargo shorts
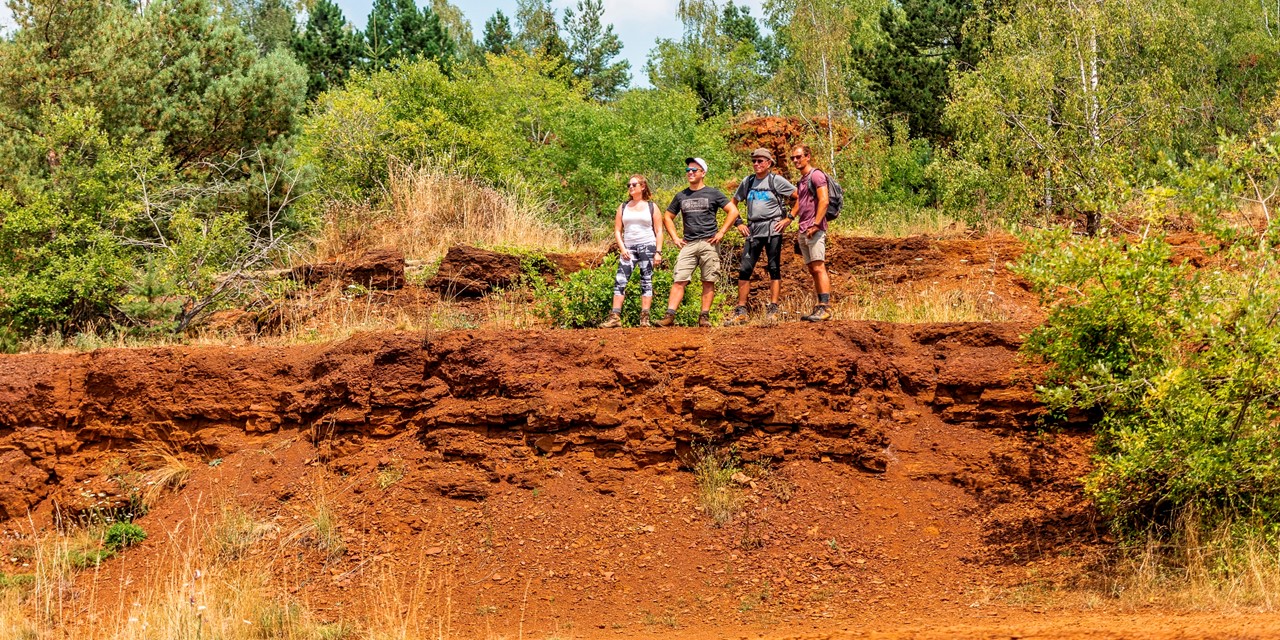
815	248
698	252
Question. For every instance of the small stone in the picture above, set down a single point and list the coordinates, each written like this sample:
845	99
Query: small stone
433	551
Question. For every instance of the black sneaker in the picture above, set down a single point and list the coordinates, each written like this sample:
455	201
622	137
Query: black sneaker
820	313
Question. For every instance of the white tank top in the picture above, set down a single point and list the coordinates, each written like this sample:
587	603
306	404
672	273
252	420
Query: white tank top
637	225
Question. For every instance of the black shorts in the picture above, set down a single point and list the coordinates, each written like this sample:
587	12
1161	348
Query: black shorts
772	247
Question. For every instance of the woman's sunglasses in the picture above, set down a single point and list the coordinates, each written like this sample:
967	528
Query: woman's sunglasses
632	184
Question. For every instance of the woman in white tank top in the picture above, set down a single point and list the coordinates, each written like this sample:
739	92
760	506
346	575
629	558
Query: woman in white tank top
638	229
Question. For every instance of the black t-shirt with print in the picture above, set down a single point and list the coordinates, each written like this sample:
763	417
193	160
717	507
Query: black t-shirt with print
699	209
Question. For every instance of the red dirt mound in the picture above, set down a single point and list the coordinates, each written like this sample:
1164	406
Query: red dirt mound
884	466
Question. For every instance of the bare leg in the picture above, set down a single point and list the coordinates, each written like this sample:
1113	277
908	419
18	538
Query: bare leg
821	281
744	289
677	294
775	291
645	302
708	295
617	302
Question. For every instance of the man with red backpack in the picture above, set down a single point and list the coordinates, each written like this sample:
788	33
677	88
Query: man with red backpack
811	209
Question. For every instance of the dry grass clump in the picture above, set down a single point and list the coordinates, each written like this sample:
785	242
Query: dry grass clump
713	473
1224	568
428	209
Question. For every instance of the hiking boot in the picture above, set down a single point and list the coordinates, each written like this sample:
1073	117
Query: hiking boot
644	319
665	321
704	319
820	313
739	316
613	322
771	313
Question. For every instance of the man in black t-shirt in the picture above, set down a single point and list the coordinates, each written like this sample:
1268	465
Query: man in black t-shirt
698	205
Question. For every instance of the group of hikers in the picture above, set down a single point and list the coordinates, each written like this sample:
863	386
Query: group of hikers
772	202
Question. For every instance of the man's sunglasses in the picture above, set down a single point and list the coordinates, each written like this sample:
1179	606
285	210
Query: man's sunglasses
690	169
797	157
759	160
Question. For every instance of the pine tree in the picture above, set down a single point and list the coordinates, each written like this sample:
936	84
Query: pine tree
591	47
498	38
268	23
909	68
327	47
399	29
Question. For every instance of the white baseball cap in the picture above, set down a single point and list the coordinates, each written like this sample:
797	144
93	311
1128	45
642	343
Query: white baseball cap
698	161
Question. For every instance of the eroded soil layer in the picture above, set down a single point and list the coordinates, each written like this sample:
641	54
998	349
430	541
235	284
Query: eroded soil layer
539	480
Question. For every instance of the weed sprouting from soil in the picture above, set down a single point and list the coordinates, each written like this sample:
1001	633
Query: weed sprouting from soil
390	475
713	473
234	531
169	471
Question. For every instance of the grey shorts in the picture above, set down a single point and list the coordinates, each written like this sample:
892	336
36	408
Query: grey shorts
813	249
694	254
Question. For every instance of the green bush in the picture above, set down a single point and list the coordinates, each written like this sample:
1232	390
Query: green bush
1179	365
123	534
584	299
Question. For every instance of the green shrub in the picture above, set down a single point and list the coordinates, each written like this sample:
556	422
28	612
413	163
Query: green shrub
123	534
1179	365
584	298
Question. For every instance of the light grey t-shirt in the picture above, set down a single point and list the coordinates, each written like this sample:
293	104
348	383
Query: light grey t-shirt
766	202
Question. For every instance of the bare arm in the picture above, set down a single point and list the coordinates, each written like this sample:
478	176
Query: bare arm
657	227
823	202
617	234
742	226
669	223
728	221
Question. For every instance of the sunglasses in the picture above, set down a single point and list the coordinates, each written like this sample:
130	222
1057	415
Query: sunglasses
797	157
691	169
759	160
632	184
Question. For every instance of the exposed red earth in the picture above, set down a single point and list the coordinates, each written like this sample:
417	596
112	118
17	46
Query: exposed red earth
896	479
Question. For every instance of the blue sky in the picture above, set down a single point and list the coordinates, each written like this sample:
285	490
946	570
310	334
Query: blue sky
637	22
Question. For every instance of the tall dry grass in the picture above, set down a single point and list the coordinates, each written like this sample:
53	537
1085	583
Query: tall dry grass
427	209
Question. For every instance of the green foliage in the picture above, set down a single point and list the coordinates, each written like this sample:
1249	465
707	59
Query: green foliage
584	298
510	123
1078	107
123	534
498	38
268	23
399	29
722	58
1179	364
592	48
909	67
327	47
61	263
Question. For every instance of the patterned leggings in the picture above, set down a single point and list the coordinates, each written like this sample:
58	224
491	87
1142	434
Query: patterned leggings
641	256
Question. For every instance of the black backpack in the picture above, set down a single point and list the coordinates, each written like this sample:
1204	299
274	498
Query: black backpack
835	194
769	185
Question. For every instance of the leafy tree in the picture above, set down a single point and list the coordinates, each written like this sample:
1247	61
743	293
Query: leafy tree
459	28
592	46
268	23
1079	106
719	58
538	33
498	38
327	46
399	29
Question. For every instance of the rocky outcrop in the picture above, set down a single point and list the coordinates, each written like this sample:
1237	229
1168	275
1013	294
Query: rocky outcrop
377	269
646	395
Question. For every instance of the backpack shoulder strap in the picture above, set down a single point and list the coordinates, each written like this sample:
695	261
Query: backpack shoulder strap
651	207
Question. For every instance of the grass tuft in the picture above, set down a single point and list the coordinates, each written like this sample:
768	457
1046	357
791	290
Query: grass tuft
713	473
